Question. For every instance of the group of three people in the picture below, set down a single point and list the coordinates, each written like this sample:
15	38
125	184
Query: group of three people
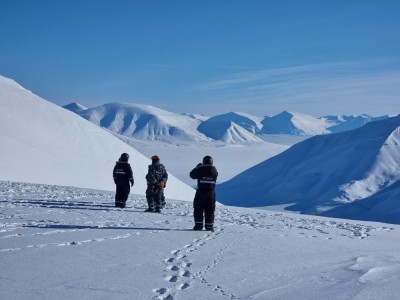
157	176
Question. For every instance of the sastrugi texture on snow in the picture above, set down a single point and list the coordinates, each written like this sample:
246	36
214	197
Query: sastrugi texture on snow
353	174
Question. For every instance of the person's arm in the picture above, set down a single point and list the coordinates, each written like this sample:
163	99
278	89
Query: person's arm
130	175
114	177
150	177
194	174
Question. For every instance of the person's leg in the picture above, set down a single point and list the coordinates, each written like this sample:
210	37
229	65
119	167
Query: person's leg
209	210
163	203
157	200
150	200
119	196
125	194
198	204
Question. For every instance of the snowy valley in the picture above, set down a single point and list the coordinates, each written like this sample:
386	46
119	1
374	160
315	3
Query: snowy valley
61	237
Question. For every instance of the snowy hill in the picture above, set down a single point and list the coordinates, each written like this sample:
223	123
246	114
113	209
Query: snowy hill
68	243
44	143
345	123
75	107
148	123
354	174
144	122
227	131
250	123
294	123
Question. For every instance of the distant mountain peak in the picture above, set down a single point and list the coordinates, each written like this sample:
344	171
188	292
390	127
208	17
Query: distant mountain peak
293	123
75	107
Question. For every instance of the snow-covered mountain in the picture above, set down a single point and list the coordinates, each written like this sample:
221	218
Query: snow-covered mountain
354	173
250	123
44	143
294	124
150	123
144	122
344	123
231	128
75	107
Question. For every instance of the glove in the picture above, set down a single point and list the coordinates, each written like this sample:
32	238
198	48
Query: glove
161	184
131	181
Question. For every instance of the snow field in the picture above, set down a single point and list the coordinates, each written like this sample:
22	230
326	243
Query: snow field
62	243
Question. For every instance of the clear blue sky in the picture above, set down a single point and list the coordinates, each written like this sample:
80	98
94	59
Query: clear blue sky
260	56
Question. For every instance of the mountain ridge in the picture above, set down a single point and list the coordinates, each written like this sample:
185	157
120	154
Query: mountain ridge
147	122
324	174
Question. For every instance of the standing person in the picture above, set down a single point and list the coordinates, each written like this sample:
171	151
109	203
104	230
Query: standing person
122	175
204	200
156	178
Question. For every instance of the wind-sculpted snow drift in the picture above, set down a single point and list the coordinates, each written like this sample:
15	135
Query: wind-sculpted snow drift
355	174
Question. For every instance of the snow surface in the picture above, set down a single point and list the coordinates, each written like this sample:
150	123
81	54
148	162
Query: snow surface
248	122
44	143
59	241
228	132
145	122
329	174
230	160
294	123
75	107
345	123
69	243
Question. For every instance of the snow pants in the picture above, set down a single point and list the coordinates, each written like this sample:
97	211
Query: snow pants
204	209
121	194
154	198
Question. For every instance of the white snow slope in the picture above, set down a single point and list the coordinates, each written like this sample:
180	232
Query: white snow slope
148	123
248	122
228	132
344	123
145	122
69	243
294	123
44	143
329	174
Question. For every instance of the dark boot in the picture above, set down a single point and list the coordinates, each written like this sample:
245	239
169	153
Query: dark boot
198	227
209	226
119	204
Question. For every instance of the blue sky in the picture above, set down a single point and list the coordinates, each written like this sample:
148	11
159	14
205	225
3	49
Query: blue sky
260	56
